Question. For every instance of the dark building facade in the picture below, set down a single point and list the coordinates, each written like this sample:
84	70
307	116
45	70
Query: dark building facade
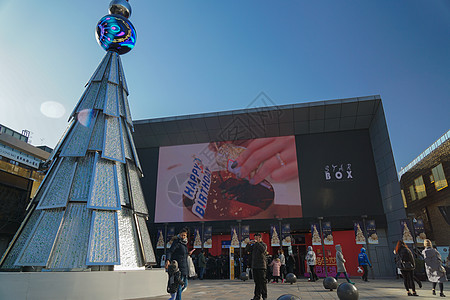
424	184
19	179
344	163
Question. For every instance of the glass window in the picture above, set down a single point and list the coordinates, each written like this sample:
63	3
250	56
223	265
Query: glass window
412	192
404	199
420	187
439	177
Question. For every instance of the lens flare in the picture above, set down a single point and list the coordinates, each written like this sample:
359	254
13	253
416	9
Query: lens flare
52	109
85	117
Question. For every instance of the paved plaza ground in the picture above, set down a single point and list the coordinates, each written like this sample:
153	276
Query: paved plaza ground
235	289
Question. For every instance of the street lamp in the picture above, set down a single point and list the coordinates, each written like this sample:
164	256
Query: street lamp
364	217
412	220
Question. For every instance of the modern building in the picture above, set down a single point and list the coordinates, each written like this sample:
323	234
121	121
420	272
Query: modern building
328	161
20	177
425	192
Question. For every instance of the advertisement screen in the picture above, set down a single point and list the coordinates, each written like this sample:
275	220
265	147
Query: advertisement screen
246	179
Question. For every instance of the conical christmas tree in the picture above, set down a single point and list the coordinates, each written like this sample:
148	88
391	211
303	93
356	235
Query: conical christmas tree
90	210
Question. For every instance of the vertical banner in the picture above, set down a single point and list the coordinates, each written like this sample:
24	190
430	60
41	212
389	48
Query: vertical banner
360	239
234	237
406	231
274	237
207	237
327	234
197	238
245	235
231	263
419	229
169	236
372	235
160	242
286	235
315	234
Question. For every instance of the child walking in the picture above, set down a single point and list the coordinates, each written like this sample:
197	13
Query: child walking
276	265
174	279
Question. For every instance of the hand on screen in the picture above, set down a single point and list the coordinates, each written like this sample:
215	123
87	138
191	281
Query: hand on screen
269	156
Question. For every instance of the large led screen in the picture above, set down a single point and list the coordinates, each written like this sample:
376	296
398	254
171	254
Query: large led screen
338	175
246	179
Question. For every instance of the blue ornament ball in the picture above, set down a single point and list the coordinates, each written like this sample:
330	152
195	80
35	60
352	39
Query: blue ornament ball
116	33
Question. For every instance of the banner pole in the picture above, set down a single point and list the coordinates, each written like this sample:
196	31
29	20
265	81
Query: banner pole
323	247
240	248
367	241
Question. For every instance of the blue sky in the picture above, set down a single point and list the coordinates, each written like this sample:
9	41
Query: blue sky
206	56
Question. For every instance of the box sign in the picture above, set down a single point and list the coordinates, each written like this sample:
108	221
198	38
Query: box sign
245	179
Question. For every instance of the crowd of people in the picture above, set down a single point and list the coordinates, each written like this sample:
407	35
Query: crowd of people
263	268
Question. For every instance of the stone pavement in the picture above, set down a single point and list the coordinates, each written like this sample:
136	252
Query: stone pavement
238	290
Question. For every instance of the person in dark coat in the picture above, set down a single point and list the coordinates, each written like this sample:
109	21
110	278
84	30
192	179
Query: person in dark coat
174	281
179	252
290	264
433	266
258	249
404	260
363	261
201	264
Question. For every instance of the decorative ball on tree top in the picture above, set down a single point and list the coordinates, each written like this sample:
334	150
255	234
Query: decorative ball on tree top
114	31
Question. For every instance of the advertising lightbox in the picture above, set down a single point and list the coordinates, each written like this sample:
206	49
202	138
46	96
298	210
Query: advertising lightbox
246	179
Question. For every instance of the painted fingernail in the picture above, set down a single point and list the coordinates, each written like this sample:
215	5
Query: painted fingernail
234	164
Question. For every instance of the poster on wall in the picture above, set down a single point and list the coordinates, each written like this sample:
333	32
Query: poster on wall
315	234
327	234
235	237
359	234
220	181
197	238
274	236
245	235
372	235
419	230
207	237
160	242
286	235
406	232
170	234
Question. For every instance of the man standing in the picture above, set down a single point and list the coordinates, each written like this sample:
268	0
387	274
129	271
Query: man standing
257	250
201	264
363	261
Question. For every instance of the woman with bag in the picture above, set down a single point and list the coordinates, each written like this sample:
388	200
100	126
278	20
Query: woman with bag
433	266
404	260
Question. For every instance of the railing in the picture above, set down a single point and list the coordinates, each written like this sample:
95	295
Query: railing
425	153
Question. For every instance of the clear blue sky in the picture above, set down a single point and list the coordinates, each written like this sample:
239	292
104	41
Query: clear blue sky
204	56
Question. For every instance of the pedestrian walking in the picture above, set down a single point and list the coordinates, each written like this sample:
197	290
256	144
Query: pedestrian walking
276	267
257	250
311	262
201	264
283	264
340	263
404	260
434	268
290	264
179	252
363	262
175	281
